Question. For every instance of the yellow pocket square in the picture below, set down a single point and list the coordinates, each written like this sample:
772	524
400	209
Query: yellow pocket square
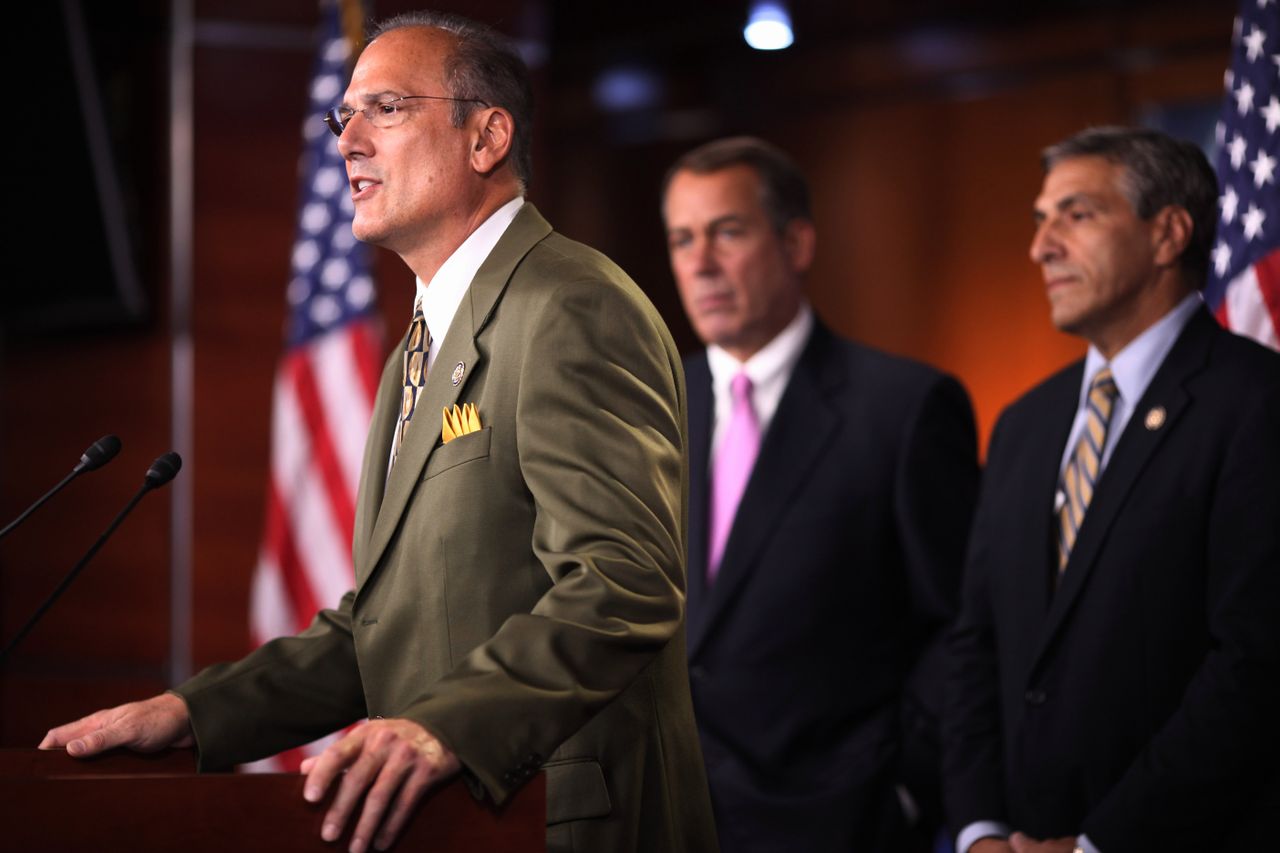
459	421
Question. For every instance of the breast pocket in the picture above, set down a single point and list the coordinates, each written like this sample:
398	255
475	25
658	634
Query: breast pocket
463	449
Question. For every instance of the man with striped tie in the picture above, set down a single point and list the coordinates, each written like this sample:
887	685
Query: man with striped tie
519	534
1116	664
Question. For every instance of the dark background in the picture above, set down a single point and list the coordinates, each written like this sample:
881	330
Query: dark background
919	124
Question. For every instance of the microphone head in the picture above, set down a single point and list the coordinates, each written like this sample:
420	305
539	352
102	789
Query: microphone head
164	469
99	453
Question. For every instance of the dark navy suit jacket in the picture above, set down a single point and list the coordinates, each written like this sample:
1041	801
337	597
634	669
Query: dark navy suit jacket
839	576
1138	702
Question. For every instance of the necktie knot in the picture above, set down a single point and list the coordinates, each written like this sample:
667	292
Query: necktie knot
1104	383
740	388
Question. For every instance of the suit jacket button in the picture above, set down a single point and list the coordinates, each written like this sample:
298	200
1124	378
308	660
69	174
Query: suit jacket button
1036	697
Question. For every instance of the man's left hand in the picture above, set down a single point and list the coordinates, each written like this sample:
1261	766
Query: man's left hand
1026	844
395	761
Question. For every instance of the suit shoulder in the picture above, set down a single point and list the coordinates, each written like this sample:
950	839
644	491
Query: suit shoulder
1047	392
872	367
557	260
1245	361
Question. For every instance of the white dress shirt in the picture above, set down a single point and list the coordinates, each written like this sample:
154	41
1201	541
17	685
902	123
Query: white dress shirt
440	298
769	371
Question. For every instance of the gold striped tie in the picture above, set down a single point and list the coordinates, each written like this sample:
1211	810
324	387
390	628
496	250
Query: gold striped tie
1081	474
416	348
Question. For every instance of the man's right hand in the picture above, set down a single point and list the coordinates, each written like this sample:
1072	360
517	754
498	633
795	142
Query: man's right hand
154	724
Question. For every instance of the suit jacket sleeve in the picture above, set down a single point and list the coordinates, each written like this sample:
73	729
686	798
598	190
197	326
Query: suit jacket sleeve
973	763
1220	745
600	420
934	497
300	688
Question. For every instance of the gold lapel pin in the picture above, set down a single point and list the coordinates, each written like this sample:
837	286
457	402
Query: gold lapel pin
458	370
1155	418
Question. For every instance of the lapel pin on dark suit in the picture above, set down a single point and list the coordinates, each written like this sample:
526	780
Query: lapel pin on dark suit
1155	418
458	370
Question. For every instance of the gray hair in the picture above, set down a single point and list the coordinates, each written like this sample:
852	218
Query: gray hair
1158	171
784	191
483	66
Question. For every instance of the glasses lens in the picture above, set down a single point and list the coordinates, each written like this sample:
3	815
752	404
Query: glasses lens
333	118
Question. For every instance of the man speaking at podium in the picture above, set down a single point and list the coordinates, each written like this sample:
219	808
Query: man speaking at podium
519	595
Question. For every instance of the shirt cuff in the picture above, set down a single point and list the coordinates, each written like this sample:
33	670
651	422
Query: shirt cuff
981	829
1083	842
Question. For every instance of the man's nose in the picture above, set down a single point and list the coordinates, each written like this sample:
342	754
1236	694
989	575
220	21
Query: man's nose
1045	245
355	140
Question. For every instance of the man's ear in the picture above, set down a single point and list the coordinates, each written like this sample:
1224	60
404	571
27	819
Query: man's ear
1171	230
799	241
492	138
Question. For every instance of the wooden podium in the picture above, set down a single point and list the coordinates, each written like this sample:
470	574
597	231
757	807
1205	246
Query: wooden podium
124	801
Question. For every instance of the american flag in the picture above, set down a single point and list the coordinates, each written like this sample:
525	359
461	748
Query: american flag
1244	278
324	387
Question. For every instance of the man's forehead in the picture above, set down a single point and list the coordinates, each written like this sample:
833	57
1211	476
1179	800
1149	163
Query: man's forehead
400	62
1081	178
732	191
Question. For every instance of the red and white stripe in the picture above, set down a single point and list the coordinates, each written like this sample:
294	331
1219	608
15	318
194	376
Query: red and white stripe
323	402
1251	305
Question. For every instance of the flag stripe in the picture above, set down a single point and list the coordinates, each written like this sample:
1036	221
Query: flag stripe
279	541
366	348
324	454
1268	272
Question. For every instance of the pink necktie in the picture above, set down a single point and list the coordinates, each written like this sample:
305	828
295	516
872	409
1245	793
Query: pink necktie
737	455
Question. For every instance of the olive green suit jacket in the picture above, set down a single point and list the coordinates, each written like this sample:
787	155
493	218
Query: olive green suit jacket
519	590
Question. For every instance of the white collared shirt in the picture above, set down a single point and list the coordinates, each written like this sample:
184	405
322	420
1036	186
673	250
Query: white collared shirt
443	294
441	298
1133	368
769	371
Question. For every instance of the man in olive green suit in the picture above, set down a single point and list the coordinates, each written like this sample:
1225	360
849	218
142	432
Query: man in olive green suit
519	588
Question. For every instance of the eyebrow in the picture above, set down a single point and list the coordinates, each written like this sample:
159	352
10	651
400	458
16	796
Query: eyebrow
727	219
374	98
1065	203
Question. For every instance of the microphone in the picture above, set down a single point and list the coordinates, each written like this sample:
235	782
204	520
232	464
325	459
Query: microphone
99	453
164	469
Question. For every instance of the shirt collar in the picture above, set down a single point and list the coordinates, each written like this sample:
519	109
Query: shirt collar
1135	366
440	298
776	358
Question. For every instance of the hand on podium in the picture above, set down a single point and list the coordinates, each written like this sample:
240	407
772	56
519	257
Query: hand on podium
396	761
148	726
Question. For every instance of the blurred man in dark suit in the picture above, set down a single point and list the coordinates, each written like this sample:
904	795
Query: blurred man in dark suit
1116	665
831	491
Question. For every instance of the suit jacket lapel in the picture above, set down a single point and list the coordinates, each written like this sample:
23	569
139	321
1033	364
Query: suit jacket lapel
1133	451
459	347
803	426
1033	579
701	418
377	452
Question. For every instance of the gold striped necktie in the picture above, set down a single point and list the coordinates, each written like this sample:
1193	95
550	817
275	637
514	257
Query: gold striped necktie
416	348
1080	477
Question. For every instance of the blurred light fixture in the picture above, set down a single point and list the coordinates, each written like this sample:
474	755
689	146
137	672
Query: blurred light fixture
768	25
626	88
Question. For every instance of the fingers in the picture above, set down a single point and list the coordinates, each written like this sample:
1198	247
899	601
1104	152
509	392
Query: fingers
62	735
321	769
391	764
156	723
399	764
413	789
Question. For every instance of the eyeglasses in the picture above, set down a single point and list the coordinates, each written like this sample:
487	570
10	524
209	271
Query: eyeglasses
384	113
